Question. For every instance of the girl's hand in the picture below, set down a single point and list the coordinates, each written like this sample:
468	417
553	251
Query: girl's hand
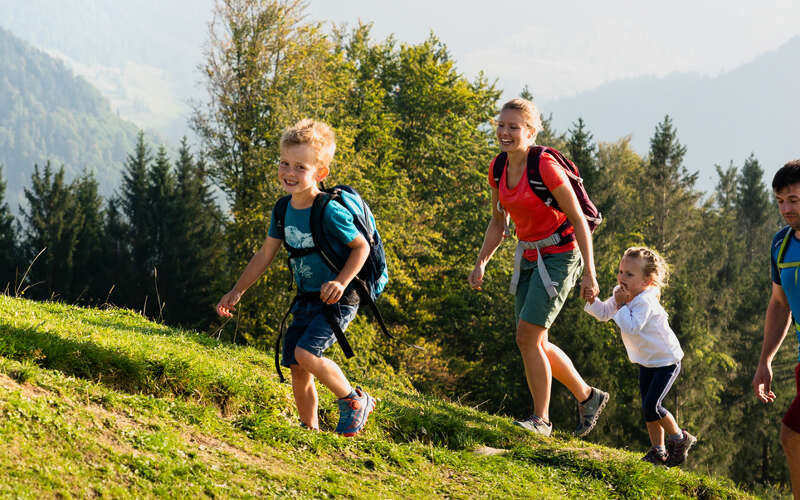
227	304
621	296
476	277
589	288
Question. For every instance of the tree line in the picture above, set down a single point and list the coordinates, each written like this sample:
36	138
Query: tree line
416	138
155	246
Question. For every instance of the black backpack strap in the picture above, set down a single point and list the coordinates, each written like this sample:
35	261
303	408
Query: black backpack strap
280	336
497	168
333	321
279	214
535	177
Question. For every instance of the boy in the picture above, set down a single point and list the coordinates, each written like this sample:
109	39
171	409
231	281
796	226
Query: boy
306	151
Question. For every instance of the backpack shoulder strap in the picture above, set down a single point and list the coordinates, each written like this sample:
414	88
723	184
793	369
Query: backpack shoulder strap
498	166
784	246
317	229
535	177
279	213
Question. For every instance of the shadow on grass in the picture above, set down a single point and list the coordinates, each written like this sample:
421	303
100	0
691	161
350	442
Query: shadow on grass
118	370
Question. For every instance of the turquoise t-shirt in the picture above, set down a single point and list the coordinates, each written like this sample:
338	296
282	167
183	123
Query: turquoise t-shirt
788	277
310	271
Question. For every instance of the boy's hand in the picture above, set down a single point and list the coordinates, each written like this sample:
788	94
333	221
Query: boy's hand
621	296
331	292
227	304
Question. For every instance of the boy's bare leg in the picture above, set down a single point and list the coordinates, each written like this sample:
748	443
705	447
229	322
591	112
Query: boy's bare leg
656	431
305	395
790	440
325	370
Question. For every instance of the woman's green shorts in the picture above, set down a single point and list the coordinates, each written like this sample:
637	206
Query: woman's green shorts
533	304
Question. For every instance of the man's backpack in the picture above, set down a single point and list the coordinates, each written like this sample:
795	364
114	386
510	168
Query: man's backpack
368	283
593	216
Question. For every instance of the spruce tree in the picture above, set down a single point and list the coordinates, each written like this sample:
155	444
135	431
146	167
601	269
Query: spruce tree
51	220
88	277
134	204
581	150
9	250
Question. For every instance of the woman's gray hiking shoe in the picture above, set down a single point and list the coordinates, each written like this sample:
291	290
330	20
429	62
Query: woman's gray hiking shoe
678	450
655	457
535	424
590	411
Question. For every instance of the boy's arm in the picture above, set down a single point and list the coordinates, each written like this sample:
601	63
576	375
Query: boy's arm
331	291
254	269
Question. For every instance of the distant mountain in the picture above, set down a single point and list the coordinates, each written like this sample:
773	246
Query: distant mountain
48	113
754	108
141	55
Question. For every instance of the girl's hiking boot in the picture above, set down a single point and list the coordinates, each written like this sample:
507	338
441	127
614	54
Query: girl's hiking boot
354	412
655	457
589	411
678	449
535	424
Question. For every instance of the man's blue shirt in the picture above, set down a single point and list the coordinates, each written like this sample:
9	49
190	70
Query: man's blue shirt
788	277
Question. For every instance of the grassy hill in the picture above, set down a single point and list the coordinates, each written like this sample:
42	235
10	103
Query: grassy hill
105	403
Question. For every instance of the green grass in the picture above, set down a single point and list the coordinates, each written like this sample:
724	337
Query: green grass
103	403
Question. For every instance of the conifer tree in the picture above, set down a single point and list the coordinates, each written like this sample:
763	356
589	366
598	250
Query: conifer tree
9	250
581	150
87	271
51	220
134	205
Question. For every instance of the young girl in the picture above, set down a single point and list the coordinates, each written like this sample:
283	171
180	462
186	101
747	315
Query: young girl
651	344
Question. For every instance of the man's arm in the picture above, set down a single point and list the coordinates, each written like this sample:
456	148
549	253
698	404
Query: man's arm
776	324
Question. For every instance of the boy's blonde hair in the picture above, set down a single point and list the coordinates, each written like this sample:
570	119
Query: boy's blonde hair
654	266
531	115
315	133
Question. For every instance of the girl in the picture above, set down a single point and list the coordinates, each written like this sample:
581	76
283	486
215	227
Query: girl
651	344
547	265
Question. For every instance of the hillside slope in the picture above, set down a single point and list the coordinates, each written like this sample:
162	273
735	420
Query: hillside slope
105	403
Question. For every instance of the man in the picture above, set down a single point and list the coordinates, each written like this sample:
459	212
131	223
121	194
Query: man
784	301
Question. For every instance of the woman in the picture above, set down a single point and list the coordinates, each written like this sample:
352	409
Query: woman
562	240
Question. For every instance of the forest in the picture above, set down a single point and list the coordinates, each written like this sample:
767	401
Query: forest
415	137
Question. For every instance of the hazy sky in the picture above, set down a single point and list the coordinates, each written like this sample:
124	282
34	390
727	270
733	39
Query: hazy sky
559	48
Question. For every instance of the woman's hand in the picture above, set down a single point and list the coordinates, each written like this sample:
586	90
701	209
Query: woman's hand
589	288
476	277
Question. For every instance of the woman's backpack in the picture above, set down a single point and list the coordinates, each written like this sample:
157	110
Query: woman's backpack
593	216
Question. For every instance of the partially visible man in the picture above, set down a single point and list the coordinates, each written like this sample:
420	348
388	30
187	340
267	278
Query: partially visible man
783	304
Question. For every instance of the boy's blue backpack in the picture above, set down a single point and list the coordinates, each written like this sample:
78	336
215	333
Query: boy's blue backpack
370	280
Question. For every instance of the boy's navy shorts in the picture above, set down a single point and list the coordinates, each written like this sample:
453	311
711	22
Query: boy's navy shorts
310	329
792	417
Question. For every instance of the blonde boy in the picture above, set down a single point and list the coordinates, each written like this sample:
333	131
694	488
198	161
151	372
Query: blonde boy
306	151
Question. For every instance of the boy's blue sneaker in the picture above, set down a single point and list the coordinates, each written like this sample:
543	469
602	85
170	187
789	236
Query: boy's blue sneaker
354	412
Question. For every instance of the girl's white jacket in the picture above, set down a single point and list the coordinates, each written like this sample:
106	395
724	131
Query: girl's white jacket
646	333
